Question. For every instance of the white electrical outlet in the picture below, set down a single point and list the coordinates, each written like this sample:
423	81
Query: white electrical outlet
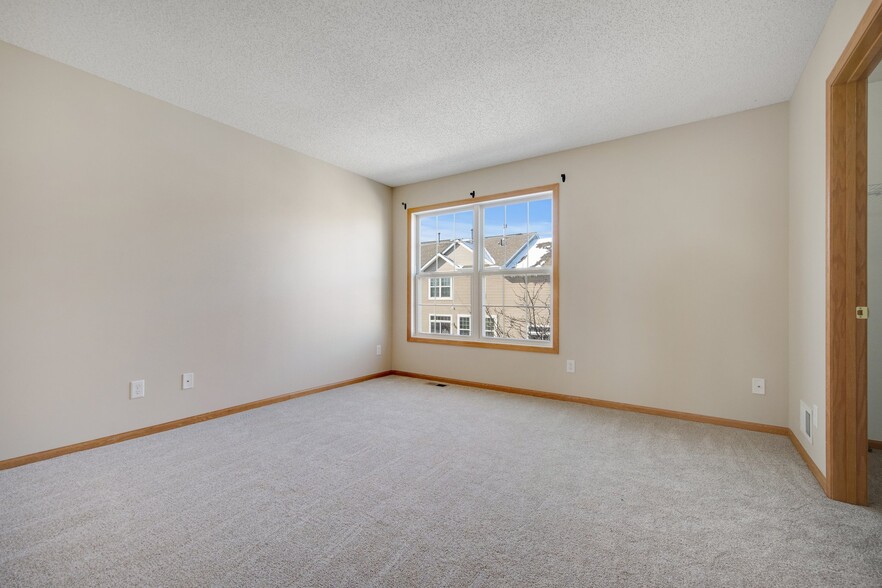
186	381
571	366
137	389
759	386
379	350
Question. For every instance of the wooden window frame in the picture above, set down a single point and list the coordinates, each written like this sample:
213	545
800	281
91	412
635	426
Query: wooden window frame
506	344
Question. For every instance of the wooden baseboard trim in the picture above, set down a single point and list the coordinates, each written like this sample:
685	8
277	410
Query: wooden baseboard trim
686	416
822	480
875	444
119	437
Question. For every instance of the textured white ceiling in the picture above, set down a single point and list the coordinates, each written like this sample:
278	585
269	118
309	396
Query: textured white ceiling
407	90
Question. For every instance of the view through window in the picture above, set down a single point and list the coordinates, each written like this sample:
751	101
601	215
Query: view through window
492	258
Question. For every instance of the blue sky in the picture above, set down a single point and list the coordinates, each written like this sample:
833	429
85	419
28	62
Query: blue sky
451	226
520	217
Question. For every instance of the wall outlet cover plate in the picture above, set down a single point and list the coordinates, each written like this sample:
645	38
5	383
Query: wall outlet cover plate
137	389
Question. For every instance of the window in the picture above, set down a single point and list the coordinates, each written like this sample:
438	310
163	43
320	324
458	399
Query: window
489	326
440	288
501	253
539	332
465	325
439	324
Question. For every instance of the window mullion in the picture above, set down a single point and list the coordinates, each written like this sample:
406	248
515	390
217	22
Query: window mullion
459	272
520	271
478	281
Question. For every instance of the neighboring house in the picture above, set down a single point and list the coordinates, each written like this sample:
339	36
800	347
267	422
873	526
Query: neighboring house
515	307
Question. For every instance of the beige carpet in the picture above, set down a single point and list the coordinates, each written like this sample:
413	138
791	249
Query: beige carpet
396	483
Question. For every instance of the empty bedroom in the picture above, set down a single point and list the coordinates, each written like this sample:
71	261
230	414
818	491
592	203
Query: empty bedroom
408	293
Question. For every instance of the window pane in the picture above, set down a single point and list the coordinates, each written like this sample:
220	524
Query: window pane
518	235
464	225
517	290
494	236
520	304
506	233
518	322
429	244
539	220
490	325
516	218
511	322
464	325
539	332
440	288
440	324
445	298
436	319
454	291
446	241
540	225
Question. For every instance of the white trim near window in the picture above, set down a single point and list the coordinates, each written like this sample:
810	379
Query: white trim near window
464	331
490	325
438	286
539	332
440	324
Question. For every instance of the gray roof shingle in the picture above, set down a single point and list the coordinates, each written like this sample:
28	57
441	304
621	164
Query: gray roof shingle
499	249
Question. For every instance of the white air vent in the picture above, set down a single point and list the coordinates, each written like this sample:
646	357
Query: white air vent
806	423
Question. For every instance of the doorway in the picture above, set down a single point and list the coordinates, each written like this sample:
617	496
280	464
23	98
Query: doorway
874	283
847	241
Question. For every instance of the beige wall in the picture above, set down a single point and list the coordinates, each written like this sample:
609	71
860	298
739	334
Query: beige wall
673	270
874	265
138	240
808	223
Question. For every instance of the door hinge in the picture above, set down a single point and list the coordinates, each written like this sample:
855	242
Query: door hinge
862	312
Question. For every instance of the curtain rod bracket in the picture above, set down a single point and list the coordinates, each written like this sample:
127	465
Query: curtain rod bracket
404	204
563	178
472	193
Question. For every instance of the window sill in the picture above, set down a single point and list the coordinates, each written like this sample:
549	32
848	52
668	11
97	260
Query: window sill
531	347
